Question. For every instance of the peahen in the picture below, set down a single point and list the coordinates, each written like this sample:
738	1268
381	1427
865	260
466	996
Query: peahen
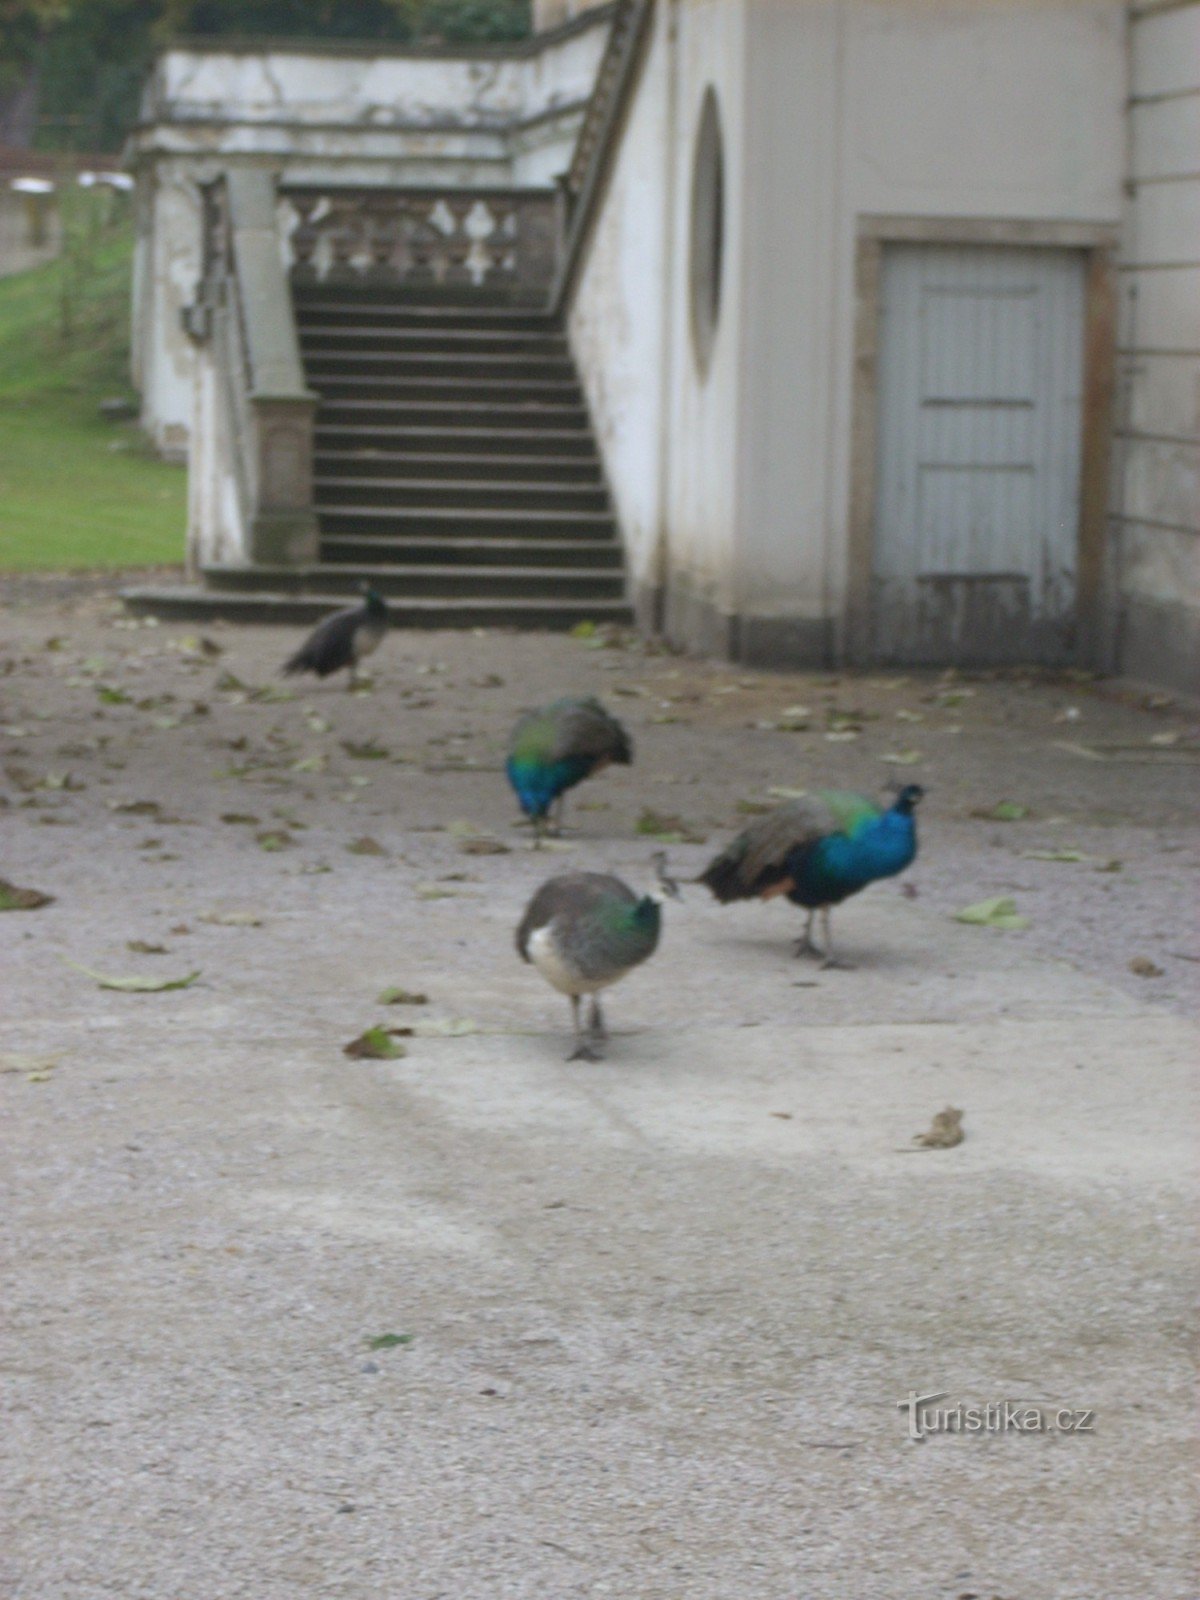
818	850
585	930
558	746
343	639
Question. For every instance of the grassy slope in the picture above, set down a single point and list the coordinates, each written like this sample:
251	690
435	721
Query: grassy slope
76	491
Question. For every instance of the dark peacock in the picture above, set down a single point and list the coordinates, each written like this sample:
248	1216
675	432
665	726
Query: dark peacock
818	850
344	639
584	931
555	748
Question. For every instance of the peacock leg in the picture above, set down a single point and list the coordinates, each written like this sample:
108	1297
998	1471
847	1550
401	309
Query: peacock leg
538	821
583	1050
805	945
559	808
831	959
596	1021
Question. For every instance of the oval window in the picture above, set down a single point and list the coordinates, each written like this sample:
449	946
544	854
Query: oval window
708	206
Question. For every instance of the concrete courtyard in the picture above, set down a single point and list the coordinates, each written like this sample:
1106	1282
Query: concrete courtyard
653	1319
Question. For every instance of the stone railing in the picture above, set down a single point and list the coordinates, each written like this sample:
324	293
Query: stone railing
596	145
251	471
444	238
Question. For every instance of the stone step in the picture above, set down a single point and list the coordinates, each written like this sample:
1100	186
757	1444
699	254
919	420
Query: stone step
365	556
332	338
500	391
457	443
348	312
187	603
368	461
457	493
452	581
479	522
321	366
444	415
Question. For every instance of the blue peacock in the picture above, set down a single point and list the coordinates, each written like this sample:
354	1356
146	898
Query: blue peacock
818	850
555	748
584	931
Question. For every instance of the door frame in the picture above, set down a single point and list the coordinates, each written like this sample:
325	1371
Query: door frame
1098	243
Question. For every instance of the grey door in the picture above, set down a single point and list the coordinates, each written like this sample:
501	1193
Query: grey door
979	439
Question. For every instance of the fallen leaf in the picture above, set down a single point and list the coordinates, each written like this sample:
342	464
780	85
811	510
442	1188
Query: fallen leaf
945	1131
141	948
376	1044
227	919
368	750
14	1061
583	630
482	845
136	985
1055	855
366	846
14	899
389	1341
316	763
668	827
998	912
1002	811
1143	967
112	697
401	997
240	818
274	839
430	891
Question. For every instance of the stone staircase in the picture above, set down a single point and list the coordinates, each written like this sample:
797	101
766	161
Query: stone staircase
455	468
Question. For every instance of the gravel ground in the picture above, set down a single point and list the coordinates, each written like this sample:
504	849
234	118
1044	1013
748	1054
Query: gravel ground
662	1308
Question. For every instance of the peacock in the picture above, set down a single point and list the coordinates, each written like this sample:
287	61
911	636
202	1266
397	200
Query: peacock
584	931
818	850
558	746
343	639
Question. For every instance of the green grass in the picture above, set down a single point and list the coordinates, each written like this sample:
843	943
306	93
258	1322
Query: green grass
76	491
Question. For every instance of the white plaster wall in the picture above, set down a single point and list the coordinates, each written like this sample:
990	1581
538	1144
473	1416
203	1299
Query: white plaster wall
667	433
831	110
1157	449
165	354
937	108
615	322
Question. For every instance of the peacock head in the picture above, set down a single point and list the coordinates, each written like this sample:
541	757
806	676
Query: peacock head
372	596
667	887
908	798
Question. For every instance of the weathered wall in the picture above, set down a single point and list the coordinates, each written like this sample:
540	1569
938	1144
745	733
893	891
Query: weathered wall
329	116
734	489
668	431
1011	109
1156	492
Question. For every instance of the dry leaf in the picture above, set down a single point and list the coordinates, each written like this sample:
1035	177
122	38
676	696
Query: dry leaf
945	1131
998	912
14	899
376	1044
136	985
1143	967
227	919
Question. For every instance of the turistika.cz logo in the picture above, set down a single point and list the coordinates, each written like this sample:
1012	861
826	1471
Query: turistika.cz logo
927	1416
